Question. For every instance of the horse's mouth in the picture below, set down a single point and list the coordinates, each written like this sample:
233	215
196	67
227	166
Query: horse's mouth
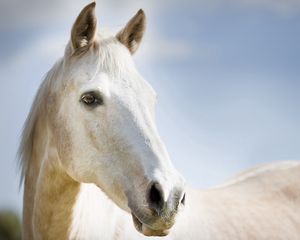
146	229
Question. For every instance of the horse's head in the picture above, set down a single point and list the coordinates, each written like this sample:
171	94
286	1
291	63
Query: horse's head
105	123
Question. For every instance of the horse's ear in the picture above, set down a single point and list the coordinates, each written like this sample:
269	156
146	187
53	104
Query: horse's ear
131	36
85	28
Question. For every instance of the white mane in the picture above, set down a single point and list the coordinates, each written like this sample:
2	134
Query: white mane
38	107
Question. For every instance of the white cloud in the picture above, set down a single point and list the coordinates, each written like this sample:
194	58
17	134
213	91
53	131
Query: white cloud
18	13
158	47
48	46
283	7
279	6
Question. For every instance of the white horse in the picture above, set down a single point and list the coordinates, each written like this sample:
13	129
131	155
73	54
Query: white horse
94	165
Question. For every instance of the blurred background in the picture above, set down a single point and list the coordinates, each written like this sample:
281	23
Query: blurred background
227	74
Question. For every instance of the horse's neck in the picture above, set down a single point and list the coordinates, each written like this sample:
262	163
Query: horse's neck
49	194
64	209
57	207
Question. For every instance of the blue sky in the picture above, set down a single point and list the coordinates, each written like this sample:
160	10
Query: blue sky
227	74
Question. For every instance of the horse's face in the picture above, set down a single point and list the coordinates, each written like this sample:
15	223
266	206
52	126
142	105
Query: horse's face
109	136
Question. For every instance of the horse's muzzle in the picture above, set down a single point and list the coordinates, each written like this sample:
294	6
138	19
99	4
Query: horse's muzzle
159	217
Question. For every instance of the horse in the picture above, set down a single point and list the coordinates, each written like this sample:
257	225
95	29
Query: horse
94	166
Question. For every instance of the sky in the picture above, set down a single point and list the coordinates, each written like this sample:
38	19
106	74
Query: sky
227	75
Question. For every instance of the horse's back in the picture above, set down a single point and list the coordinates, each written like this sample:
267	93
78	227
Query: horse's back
283	175
261	203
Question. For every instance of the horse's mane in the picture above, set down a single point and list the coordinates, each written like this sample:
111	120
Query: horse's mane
37	108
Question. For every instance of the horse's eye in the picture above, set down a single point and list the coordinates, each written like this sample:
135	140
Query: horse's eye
92	99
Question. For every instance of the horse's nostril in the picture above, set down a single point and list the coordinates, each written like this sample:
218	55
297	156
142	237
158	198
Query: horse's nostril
183	199
155	197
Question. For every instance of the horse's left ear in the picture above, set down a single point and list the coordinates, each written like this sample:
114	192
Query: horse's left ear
85	28
131	36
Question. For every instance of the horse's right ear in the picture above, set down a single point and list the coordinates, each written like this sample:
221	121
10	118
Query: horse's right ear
85	28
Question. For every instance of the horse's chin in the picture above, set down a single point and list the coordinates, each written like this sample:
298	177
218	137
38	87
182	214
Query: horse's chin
146	229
